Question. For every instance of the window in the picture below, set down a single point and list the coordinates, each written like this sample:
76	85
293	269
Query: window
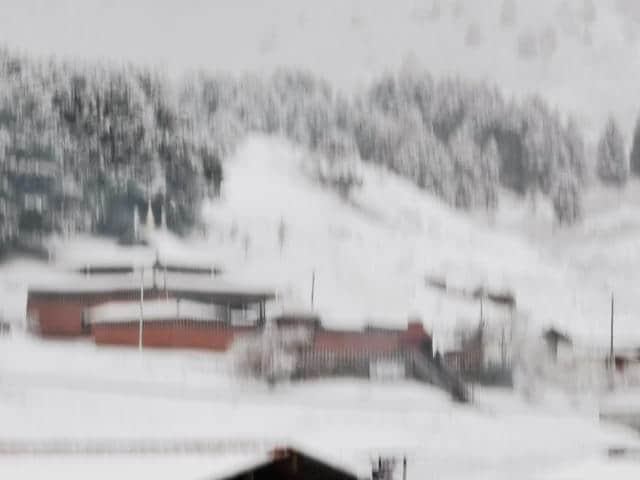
33	202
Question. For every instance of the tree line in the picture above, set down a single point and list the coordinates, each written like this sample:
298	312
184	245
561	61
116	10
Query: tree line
457	139
104	138
82	145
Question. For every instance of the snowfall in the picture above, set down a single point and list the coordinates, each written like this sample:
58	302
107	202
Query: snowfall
370	256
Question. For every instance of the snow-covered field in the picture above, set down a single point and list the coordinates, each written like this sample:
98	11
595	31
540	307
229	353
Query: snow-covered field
53	390
104	467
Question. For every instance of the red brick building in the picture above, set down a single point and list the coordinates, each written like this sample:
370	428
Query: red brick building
168	323
178	309
176	323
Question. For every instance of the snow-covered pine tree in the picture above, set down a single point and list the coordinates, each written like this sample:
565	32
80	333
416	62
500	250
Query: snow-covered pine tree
634	156
567	199
613	165
490	174
425	160
575	145
337	166
466	162
282	234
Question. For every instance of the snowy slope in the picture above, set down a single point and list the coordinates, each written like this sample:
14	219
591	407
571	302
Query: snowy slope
371	254
602	250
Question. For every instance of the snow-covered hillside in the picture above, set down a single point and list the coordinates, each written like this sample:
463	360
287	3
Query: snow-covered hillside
580	54
372	253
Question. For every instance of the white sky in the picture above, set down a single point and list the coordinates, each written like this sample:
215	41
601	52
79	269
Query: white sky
350	41
231	35
175	33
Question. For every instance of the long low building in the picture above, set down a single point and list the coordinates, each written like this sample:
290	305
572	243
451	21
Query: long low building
61	308
181	309
177	323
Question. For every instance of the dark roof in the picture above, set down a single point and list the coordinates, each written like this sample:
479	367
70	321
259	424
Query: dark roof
554	335
157	265
291	464
504	297
182	285
500	297
298	319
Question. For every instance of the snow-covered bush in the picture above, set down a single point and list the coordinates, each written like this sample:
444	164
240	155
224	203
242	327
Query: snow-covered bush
574	373
269	355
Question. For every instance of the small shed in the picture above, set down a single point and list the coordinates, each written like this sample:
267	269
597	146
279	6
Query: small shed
5	327
554	339
292	319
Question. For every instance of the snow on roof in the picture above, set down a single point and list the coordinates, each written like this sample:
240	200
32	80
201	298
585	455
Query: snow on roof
165	309
82	250
144	261
161	266
171	281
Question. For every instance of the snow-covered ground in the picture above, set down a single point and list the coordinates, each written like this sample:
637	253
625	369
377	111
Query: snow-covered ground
105	467
76	391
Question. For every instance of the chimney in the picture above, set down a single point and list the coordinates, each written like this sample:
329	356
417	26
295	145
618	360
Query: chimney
279	453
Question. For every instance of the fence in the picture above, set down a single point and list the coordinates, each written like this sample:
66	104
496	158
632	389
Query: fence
475	364
113	446
410	363
313	364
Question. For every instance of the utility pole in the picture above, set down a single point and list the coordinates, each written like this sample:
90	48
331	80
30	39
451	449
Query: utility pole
246	241
503	350
281	234
141	309
404	468
166	290
611	359
313	287
472	391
